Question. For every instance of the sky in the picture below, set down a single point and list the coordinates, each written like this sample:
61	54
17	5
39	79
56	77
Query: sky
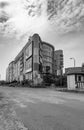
58	22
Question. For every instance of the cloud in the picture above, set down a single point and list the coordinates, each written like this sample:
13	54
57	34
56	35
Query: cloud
3	17
66	15
3	4
22	17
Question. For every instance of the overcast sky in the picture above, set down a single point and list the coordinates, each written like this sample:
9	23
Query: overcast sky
59	22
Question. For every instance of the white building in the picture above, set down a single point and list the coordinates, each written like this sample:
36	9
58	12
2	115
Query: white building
75	77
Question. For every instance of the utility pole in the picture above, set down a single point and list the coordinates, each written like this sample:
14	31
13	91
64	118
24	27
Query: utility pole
72	58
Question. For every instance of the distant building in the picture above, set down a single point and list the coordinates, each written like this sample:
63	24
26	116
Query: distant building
75	77
58	62
35	59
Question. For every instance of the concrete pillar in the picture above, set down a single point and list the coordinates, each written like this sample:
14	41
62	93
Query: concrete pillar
36	42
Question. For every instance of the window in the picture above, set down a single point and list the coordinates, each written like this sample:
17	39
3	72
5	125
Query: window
61	55
29	51
47	64
75	78
79	78
47	59
47	50
29	65
47	53
29	76
61	63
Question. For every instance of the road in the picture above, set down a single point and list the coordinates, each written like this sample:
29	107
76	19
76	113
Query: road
46	109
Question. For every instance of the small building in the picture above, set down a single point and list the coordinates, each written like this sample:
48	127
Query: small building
75	77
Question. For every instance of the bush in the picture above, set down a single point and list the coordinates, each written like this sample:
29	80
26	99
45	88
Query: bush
48	79
58	81
27	83
3	83
61	81
14	84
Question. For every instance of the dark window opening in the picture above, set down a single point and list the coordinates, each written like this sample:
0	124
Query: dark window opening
79	78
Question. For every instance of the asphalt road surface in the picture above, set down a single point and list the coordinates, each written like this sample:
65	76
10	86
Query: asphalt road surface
46	109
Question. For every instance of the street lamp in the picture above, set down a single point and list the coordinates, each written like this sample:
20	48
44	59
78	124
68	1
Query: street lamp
72	58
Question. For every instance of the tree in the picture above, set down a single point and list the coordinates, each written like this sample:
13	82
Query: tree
83	65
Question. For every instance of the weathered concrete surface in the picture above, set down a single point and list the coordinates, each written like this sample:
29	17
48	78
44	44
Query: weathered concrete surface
44	109
8	118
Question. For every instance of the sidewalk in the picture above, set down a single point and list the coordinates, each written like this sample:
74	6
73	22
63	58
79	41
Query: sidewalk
80	91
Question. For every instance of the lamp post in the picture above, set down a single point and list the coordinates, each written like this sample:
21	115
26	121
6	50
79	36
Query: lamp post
72	58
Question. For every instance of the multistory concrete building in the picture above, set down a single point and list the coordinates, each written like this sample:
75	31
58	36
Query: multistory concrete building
34	60
58	62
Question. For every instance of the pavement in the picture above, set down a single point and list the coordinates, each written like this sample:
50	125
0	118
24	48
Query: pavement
40	109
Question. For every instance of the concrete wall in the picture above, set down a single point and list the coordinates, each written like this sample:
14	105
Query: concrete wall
71	82
58	62
36	43
10	72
